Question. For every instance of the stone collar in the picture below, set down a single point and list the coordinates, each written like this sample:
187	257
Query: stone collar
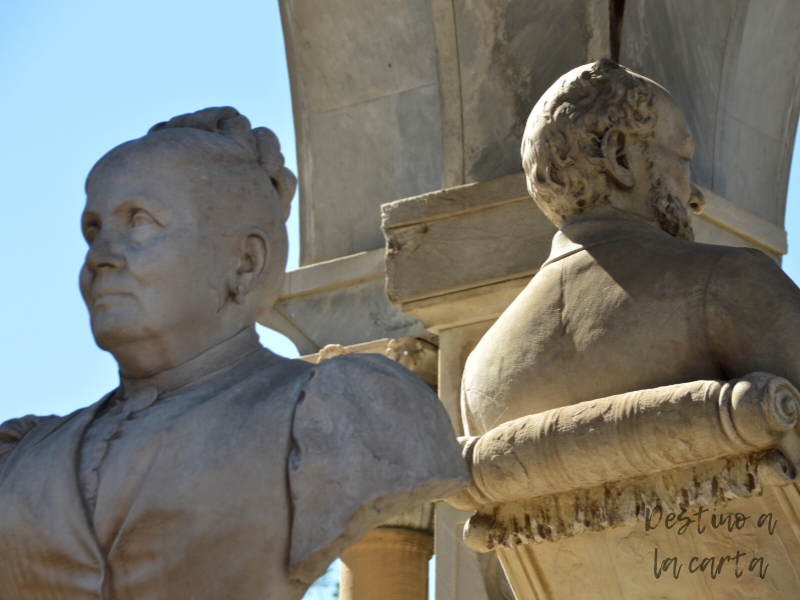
585	233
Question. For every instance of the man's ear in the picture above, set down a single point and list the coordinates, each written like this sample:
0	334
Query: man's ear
253	254
615	149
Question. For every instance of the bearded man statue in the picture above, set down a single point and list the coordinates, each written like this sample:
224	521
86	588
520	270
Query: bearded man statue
626	300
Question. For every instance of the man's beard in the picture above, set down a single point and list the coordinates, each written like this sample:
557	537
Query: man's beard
670	213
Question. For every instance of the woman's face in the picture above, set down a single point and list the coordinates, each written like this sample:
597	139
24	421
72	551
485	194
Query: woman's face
155	271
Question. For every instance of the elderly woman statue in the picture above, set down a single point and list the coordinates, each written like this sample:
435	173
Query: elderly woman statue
216	469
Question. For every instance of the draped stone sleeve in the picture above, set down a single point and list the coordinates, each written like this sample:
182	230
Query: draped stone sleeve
12	432
369	441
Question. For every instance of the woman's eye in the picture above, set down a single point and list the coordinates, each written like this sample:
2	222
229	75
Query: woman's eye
90	233
140	218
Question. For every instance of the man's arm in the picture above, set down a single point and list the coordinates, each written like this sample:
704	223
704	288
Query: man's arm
753	316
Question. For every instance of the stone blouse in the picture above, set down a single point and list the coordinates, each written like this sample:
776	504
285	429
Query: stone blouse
244	485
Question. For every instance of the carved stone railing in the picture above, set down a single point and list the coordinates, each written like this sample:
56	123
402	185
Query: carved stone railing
601	464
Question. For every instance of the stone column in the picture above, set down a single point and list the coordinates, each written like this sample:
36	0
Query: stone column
390	563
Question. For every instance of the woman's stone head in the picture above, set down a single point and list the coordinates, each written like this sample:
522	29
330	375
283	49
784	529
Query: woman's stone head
186	231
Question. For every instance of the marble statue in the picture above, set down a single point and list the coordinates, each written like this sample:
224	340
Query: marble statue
638	371
626	300
216	469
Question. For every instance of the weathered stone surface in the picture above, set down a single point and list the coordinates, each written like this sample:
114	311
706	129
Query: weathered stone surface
366	106
479	245
627	302
439	99
329	479
658	446
733	68
622	563
395	154
490	60
397	559
392	56
509	53
416	355
470	249
451	108
216	469
343	302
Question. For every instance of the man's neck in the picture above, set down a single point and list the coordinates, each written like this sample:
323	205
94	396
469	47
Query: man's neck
595	228
607	212
214	359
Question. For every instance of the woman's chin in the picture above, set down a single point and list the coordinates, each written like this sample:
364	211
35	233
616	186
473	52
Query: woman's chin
112	331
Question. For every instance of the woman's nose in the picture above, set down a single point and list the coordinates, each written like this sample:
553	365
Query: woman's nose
105	253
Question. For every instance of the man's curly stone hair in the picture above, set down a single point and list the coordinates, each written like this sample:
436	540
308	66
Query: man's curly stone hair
561	146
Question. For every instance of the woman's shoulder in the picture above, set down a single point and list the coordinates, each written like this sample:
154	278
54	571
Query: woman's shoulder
13	431
370	440
369	370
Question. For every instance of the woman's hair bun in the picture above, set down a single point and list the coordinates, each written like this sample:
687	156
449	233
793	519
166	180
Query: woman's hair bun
261	143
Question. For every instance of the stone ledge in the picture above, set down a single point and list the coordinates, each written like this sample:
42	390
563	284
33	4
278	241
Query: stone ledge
455	245
760	232
341	301
455	201
338	272
463	199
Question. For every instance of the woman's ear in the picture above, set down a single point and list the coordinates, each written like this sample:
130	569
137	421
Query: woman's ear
615	149
252	261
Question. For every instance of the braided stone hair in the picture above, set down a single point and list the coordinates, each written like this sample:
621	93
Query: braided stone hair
561	146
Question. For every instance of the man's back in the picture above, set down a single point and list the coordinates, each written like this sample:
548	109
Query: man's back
621	306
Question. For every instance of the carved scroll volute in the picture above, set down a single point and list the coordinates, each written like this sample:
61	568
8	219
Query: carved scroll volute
698	442
763	408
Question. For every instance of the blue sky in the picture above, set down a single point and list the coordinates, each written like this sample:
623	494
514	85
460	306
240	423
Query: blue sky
78	78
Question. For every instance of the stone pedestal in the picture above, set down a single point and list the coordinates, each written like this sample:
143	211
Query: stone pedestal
388	564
